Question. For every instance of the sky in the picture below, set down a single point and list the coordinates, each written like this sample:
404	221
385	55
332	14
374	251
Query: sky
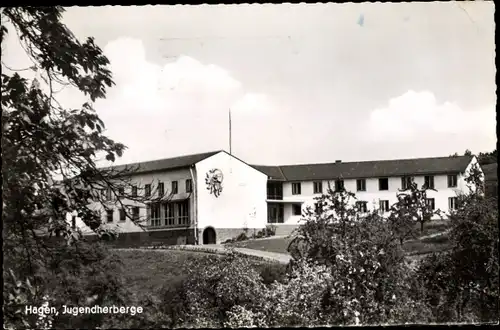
305	83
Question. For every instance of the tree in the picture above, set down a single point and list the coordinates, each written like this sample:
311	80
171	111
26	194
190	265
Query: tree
484	158
50	152
487	157
368	275
462	285
334	213
412	208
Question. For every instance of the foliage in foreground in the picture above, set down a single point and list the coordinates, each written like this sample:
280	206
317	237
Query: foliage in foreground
347	268
462	285
49	170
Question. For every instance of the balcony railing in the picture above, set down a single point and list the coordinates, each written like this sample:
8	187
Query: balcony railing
278	197
275	190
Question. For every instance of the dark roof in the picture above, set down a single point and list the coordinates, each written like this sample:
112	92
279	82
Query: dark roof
367	169
164	164
273	172
490	172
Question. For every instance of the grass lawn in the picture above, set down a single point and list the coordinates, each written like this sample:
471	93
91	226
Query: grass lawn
439	243
147	272
427	245
433	227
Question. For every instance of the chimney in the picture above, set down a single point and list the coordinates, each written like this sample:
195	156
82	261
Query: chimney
338	161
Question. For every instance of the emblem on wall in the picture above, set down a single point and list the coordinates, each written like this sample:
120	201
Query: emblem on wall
214	181
253	213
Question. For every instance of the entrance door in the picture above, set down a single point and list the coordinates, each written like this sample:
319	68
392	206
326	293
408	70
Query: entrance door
275	213
209	236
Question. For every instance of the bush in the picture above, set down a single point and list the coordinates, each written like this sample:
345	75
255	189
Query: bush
211	289
241	237
370	277
462	285
270	231
77	275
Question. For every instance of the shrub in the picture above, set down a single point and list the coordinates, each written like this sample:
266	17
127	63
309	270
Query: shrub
77	275
210	289
229	240
298	301
270	231
369	276
241	237
239	317
462	285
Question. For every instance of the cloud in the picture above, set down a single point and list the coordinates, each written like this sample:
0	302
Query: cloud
160	111
408	117
181	107
253	103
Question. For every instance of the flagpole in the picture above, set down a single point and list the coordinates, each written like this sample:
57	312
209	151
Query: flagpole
230	147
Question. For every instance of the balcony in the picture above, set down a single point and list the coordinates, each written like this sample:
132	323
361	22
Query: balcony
275	191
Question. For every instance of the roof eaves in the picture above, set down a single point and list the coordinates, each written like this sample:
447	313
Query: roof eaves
283	174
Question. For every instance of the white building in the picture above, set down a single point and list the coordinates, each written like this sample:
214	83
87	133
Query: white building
253	196
211	197
291	188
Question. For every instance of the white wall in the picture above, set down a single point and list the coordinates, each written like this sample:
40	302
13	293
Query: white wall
462	184
179	175
373	195
242	202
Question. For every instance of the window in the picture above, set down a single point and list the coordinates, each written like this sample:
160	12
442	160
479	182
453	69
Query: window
429	181
161	189
430	202
296	188
121	191
154	215
147	190
135	213
339	185
452	203
318	187
452	181
362	206
361	185
406	182
109	215
296	209
169	214
183	212
383	184
134	191
122	215
384	206
175	188
318	207
189	185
